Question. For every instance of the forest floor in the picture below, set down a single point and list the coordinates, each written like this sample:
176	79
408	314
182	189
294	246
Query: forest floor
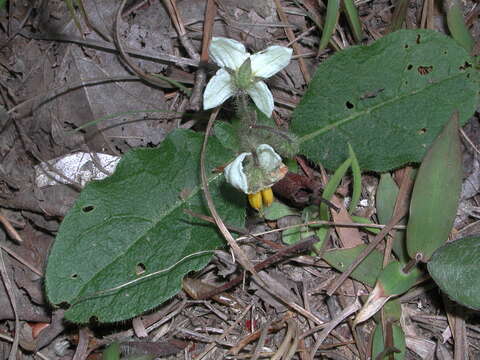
56	78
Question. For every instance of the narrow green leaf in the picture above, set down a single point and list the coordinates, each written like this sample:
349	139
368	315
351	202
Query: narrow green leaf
386	197
455	268
399	15
75	18
353	19
436	194
131	227
366	221
331	19
457	26
398	341
331	187
366	272
357	180
388	100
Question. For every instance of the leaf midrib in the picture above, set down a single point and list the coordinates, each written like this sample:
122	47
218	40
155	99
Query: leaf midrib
352	117
155	221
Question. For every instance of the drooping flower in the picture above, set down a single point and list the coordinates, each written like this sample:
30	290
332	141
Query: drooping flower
254	174
241	71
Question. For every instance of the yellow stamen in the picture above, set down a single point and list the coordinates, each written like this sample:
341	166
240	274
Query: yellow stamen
267	197
255	200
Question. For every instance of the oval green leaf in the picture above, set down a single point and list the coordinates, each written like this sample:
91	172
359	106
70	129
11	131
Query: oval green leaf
388	100
132	225
455	268
436	194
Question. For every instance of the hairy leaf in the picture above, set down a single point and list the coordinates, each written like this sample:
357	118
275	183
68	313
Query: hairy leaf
127	243
455	268
436	194
388	100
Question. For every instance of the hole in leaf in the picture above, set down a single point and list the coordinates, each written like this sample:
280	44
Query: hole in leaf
410	67
465	66
349	105
140	269
74	276
424	70
422	131
88	208
445	52
418	39
406	46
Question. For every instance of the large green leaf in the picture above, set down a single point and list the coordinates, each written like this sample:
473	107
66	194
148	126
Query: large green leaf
455	269
133	224
436	194
388	100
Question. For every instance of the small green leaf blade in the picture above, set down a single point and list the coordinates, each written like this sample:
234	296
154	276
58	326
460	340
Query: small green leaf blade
366	272
455	268
278	210
436	194
331	187
388	100
331	20
386	197
133	224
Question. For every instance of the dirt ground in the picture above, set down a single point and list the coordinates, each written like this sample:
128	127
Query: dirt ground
55	78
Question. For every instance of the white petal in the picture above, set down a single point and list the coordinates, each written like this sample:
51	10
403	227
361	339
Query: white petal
268	62
218	90
227	52
262	97
234	173
267	157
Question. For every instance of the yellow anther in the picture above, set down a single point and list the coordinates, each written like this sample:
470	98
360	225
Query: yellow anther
267	197
255	200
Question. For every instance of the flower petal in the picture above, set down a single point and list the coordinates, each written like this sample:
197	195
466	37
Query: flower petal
268	159
227	52
262	97
218	90
268	62
234	173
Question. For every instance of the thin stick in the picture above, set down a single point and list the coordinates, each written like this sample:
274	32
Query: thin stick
11	295
401	209
333	324
226	332
9	228
37	353
21	260
291	38
237	251
103	45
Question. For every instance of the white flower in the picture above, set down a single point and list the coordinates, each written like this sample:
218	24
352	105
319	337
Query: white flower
269	163
241	71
